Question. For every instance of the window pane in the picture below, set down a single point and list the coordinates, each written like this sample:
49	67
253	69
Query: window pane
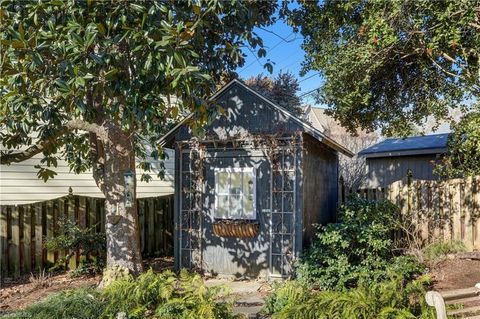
222	206
248	183
236	183
235	206
222	182
248	206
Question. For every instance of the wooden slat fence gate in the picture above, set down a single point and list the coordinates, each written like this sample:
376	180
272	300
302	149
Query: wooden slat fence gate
439	210
23	229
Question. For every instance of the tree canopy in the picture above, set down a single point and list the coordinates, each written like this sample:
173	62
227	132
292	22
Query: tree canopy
389	64
281	89
138	64
99	82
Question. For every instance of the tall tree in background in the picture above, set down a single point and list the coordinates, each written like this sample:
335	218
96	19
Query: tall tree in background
94	82
281	89
390	64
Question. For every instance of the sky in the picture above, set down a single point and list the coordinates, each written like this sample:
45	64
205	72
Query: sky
283	48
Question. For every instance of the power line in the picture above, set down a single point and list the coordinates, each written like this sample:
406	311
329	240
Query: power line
311	76
309	92
270	50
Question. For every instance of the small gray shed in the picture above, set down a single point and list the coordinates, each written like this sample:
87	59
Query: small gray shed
391	159
249	191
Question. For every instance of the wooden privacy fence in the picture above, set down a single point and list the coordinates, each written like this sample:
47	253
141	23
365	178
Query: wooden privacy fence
23	229
438	210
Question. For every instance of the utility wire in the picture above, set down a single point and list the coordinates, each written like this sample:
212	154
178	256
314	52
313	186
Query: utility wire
309	92
270	50
311	76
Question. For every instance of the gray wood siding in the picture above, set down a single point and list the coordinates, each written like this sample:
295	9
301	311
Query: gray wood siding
244	113
320	186
383	171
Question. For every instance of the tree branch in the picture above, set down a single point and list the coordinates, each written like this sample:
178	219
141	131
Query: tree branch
8	158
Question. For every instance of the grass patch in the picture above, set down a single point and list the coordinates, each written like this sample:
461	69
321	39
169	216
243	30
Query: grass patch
439	250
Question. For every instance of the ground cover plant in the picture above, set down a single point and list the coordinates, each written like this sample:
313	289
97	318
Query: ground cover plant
440	250
391	298
151	295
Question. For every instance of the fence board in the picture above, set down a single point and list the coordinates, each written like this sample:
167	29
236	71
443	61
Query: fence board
38	237
3	241
439	210
14	245
27	239
24	227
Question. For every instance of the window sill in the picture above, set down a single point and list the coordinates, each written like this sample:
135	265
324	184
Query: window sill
236	228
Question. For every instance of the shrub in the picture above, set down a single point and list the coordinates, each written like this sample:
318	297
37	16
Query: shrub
80	304
439	250
72	238
166	296
389	299
356	249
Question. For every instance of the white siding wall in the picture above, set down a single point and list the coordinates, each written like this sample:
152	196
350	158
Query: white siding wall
19	183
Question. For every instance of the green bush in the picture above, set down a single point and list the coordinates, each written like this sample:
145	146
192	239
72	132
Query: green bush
386	300
72	238
441	249
357	249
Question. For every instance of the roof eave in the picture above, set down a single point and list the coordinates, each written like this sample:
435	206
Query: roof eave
412	152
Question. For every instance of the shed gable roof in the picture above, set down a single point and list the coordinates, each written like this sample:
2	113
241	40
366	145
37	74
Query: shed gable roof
307	128
414	145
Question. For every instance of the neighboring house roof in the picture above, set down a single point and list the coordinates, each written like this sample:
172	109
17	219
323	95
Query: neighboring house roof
307	127
319	119
415	145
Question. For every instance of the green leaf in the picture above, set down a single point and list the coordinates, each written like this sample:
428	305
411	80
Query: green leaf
80	81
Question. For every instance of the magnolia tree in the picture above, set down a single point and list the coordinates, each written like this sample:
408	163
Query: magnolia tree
97	82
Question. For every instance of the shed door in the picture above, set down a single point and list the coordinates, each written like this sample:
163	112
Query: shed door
230	198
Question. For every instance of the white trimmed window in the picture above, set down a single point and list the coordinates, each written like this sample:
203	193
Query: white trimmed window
235	193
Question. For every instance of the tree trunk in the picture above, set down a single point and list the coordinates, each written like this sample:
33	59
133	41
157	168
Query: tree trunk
121	222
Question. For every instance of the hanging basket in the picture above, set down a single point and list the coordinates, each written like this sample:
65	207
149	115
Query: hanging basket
239	229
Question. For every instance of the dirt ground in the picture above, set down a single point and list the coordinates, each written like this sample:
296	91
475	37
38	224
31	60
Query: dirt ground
22	292
455	274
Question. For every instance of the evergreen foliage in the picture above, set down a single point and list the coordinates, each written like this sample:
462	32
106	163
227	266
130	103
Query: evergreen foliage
357	249
391	64
281	90
72	238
